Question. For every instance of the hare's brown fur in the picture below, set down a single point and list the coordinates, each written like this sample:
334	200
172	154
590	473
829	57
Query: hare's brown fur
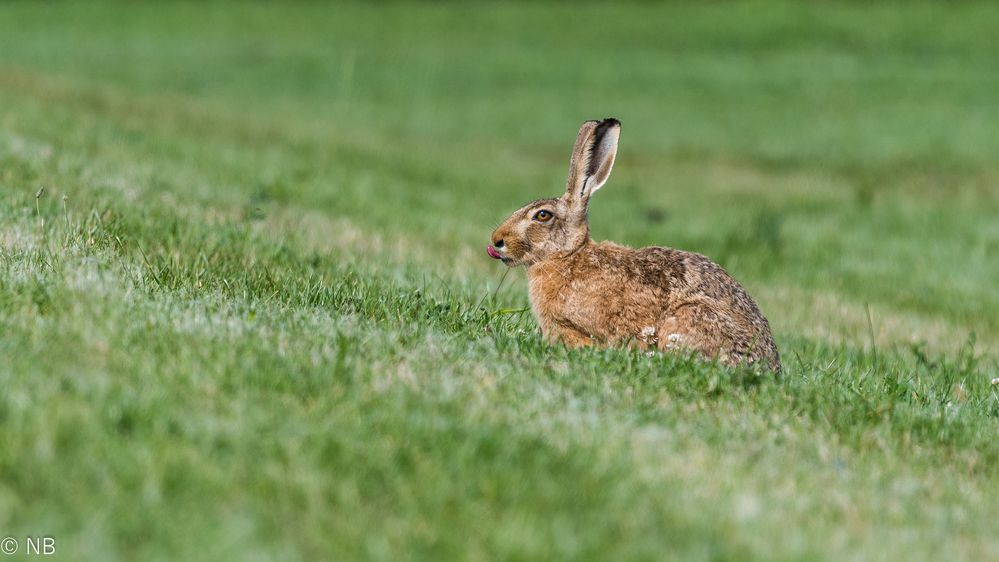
587	293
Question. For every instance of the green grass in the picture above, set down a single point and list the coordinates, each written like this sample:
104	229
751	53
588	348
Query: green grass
249	315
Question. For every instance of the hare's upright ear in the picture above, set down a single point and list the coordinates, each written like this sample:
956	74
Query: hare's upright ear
592	158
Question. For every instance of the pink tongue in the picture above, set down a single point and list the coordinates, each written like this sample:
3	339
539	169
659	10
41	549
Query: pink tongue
493	253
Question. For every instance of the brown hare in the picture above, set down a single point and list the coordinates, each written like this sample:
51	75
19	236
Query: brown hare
588	293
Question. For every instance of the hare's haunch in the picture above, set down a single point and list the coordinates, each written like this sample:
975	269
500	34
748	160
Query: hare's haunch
586	293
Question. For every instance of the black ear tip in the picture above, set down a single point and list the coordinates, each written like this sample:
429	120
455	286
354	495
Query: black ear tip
603	127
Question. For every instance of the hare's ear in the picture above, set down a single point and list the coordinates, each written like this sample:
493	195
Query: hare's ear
592	158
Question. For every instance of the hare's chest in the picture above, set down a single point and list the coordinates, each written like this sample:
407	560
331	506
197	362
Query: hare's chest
599	310
573	304
554	298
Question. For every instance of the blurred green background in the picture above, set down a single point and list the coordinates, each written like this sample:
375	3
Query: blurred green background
249	315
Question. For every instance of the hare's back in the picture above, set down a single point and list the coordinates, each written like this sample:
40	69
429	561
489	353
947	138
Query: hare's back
680	274
703	277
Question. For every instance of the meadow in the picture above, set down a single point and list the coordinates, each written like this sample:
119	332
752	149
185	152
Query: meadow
246	312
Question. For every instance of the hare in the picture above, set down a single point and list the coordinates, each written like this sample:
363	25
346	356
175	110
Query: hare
588	293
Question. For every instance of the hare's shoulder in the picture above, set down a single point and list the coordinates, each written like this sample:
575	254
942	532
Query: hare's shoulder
653	265
677	272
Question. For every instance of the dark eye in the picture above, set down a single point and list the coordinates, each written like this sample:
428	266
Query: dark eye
543	216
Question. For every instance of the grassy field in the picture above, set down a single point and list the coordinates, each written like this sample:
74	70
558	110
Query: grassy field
245	311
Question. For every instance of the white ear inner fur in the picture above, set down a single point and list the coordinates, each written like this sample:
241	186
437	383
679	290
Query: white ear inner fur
604	152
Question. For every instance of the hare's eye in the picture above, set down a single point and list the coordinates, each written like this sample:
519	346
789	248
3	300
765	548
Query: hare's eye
543	216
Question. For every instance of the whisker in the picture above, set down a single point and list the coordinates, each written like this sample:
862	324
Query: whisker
502	279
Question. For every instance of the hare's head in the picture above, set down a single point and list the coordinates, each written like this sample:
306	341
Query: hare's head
552	228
